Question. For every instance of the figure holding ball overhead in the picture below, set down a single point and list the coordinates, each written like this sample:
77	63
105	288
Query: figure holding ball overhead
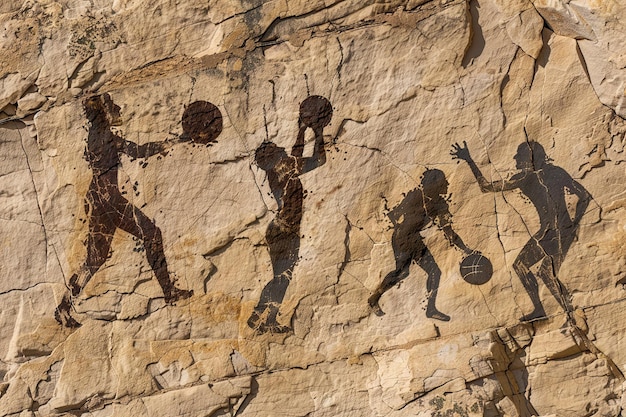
283	233
419	207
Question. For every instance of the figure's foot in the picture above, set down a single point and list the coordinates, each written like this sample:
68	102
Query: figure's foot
253	321
377	310
433	313
537	314
63	316
273	327
266	323
177	294
373	303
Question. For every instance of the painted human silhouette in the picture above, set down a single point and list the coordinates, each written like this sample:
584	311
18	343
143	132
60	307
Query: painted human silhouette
283	233
545	185
108	210
418	208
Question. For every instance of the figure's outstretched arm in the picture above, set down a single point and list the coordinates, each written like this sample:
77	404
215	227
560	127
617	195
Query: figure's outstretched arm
462	153
298	147
444	222
319	153
147	149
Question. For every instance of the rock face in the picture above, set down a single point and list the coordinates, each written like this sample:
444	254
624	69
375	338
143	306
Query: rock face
312	208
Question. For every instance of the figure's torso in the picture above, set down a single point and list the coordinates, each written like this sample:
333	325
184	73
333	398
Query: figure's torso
545	188
102	151
288	191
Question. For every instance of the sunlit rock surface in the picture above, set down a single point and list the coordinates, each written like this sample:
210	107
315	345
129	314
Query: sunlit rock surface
312	208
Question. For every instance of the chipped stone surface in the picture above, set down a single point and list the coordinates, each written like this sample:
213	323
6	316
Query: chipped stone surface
317	208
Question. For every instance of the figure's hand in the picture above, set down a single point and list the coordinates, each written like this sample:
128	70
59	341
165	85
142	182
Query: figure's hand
174	138
460	152
209	143
197	140
167	145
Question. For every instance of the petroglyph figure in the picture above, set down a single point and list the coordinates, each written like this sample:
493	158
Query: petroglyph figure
546	186
419	207
108	210
283	233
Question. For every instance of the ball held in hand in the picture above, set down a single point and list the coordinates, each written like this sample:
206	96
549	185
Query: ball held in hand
315	112
202	122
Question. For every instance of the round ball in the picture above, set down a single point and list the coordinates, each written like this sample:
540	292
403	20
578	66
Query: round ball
316	112
202	122
476	269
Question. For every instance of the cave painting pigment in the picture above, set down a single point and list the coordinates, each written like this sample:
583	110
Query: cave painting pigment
283	233
546	186
106	207
418	208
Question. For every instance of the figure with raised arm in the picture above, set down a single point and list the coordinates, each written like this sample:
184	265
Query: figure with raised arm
283	233
546	186
108	210
418	209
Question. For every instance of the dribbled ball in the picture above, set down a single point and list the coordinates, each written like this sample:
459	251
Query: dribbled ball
476	269
202	122
316	112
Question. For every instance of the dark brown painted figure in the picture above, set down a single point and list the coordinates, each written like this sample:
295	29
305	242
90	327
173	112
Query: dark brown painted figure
546	186
418	208
109	210
283	233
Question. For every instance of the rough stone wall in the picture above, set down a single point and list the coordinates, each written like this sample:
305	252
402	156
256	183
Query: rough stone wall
382	207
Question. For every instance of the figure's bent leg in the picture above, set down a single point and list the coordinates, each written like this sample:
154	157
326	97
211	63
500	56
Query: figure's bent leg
428	264
98	246
548	273
407	246
63	313
556	246
403	262
138	224
529	256
284	246
271	298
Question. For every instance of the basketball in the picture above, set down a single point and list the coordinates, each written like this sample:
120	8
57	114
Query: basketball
476	269
202	122
315	112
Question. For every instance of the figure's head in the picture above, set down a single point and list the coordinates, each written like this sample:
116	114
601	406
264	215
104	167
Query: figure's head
267	155
530	155
434	183
315	112
102	105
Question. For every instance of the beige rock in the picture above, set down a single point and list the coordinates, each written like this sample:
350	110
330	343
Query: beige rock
30	102
564	18
406	80
226	395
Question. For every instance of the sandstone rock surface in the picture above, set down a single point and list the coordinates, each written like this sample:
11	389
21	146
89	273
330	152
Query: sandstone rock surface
312	208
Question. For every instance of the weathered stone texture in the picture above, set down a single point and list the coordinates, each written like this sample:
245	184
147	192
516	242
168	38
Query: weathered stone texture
343	142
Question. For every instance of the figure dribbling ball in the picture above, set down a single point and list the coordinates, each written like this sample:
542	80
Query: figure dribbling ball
476	269
202	123
315	112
